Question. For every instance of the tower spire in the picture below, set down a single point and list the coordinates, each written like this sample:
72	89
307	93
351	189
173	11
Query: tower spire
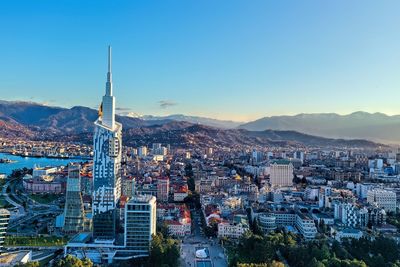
109	75
109	59
108	104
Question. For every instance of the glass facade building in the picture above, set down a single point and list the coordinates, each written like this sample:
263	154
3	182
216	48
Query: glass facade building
140	223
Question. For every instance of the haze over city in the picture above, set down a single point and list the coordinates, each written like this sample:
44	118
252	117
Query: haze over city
228	60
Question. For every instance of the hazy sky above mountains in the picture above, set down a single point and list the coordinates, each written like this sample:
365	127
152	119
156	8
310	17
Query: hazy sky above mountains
237	60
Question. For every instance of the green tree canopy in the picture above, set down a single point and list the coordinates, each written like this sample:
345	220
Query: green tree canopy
164	251
71	261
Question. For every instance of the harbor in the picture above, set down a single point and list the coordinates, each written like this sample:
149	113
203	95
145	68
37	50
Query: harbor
19	162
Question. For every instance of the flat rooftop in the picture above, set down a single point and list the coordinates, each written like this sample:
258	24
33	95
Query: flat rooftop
4	212
142	199
350	231
203	263
80	238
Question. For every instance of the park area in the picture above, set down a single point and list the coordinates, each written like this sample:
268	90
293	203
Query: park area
44	198
37	241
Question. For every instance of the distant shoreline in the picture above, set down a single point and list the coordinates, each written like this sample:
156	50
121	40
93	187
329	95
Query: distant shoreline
49	157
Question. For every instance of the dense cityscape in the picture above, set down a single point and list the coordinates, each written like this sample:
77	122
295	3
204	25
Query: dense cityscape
163	205
206	133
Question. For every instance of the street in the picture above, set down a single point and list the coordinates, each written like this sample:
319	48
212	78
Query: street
197	241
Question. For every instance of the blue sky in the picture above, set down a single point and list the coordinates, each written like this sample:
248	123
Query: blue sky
231	59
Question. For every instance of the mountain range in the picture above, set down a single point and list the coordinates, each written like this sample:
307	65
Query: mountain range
40	122
377	127
223	124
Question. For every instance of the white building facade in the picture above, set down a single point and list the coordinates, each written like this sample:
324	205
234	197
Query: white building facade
107	142
231	230
281	174
383	198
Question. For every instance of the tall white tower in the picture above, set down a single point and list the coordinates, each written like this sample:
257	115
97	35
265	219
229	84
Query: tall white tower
107	146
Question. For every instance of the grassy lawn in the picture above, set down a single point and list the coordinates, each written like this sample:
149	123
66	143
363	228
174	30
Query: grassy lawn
34	241
44	198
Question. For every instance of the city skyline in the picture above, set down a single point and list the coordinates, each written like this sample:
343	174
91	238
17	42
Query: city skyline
228	61
234	133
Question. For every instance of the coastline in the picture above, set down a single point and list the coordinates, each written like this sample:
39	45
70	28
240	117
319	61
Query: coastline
30	162
47	157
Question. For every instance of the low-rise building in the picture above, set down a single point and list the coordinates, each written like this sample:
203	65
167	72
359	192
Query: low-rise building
347	233
383	198
234	229
306	226
176	218
267	222
284	218
36	185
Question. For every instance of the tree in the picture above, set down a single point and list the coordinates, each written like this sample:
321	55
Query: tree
296	179
193	200
162	228
289	239
379	252
189	173
339	251
28	264
189	170
244	251
272	264
19	173
315	263
211	230
256	228
163	251
191	184
71	261
156	250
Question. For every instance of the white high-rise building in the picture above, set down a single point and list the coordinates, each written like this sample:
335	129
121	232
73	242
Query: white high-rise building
347	213
163	189
281	174
363	188
156	146
257	156
209	152
140	223
142	151
107	142
299	155
4	219
383	198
